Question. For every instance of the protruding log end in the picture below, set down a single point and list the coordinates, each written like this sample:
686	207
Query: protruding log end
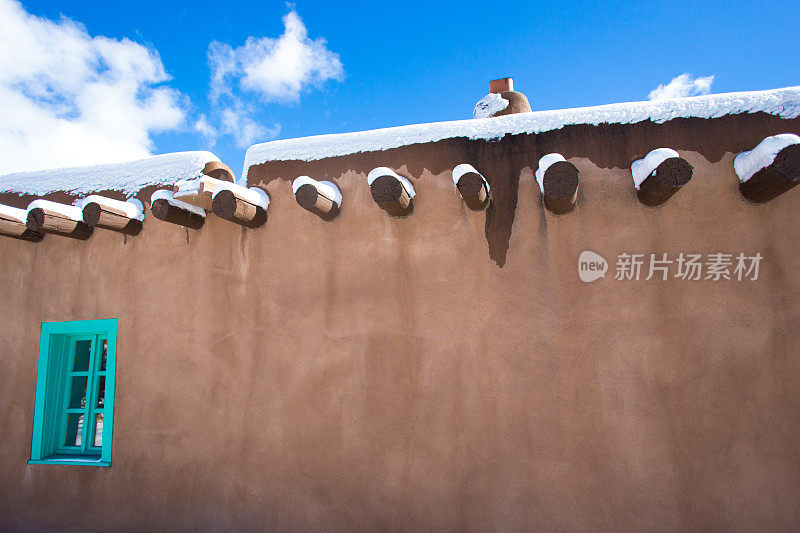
38	222
227	206
386	189
775	179
672	174
224	204
473	191
167	212
390	195
93	215
560	184
35	219
309	198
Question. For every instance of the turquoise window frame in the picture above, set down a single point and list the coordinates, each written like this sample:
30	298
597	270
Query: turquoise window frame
56	354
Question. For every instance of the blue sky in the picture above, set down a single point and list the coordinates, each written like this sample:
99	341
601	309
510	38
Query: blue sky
359	65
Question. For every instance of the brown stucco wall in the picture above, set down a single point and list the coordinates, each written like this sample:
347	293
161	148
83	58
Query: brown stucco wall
380	373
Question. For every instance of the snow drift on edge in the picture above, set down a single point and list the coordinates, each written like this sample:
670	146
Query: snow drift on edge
128	178
784	103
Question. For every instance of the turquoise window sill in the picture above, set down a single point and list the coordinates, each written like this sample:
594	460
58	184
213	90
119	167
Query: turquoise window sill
80	461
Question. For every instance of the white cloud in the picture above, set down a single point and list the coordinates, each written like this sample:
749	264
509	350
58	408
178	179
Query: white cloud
205	129
681	86
277	69
222	62
237	122
73	99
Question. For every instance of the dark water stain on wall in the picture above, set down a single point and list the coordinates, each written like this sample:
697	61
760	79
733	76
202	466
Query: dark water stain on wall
501	163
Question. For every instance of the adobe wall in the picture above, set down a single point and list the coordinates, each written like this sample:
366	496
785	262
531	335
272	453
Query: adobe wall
380	373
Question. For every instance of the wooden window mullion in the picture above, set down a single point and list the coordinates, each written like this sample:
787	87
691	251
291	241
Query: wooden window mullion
88	425
66	391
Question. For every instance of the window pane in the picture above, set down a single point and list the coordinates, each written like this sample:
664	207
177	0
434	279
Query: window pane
83	350
98	429
77	396
101	392
103	358
74	429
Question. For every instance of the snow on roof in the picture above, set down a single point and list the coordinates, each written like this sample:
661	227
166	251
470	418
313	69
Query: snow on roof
169	197
544	163
128	178
642	168
72	212
489	105
327	188
459	171
254	195
748	163
13	213
133	208
784	103
376	173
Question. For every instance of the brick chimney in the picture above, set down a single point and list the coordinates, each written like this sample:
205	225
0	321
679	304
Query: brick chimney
510	101
503	84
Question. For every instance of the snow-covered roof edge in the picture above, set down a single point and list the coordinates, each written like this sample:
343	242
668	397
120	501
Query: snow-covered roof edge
784	103
128	178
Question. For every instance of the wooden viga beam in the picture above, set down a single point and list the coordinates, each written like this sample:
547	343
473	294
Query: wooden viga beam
472	186
659	175
392	192
56	218
125	217
165	207
241	205
13	223
199	191
322	198
558	183
770	169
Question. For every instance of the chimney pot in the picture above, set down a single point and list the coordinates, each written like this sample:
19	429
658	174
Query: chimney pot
503	84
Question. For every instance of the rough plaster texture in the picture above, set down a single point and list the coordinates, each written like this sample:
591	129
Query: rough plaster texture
372	372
